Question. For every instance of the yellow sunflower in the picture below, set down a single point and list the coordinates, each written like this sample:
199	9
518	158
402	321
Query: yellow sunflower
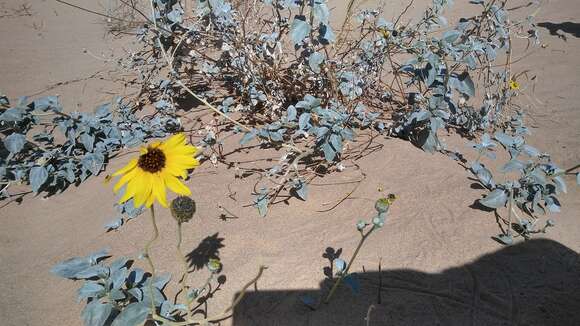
157	168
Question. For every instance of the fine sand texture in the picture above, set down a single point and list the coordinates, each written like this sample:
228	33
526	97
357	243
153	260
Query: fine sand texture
439	265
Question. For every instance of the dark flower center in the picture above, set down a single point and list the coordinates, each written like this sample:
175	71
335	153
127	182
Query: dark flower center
153	161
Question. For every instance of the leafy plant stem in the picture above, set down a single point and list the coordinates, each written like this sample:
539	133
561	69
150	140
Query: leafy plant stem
221	316
351	261
148	257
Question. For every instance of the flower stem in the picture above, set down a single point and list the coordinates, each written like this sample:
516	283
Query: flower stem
183	280
149	260
345	272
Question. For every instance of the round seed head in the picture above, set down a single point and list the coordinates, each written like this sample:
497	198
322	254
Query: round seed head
182	209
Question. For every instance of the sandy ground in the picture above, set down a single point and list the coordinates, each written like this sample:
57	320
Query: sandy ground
439	265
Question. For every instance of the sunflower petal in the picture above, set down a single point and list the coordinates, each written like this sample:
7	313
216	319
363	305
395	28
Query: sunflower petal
159	189
176	185
144	188
175	169
130	166
124	179
131	189
187	150
173	141
183	161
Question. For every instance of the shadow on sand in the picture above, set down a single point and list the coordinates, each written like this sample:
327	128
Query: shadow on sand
532	283
565	28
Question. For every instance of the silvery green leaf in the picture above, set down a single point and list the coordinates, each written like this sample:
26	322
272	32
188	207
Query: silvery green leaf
484	175
340	265
118	277
96	256
116	294
495	199
301	189
248	136
304	121
135	277
476	166
505	239
15	143
504	139
420	116
276	136
560	184
451	36
487	142
431	143
552	204
93	271
299	29
37	177
88	141
326	34
166	308
463	84
90	290
133	315
578	178
309	301
531	151
119	263
321	12
114	224
353	283
261	201
161	280
157	295
137	293
329	152
71	267
12	115
291	112
93	162
315	60
336	142
176	15
45	103
436	123
96	313
512	165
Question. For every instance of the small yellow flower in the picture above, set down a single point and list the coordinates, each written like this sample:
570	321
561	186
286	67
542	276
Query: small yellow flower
514	85
384	32
157	168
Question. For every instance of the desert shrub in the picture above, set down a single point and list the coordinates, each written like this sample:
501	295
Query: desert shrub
277	73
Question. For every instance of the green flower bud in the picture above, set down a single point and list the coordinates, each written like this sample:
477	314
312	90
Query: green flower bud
382	204
182	209
214	265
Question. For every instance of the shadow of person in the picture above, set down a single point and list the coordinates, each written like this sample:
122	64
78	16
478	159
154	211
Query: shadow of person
566	28
207	249
532	283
